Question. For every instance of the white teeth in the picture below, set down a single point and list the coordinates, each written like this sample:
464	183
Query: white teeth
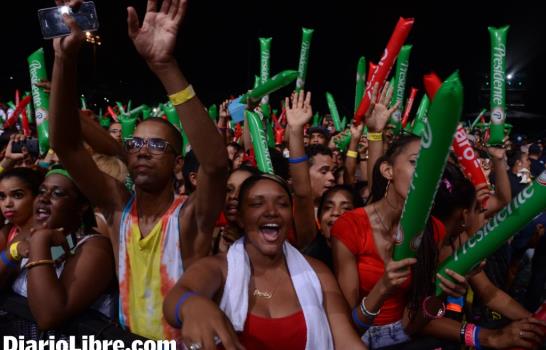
271	226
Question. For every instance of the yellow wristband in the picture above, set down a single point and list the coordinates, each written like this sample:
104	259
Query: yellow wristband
13	251
51	151
182	96
375	136
352	154
1	169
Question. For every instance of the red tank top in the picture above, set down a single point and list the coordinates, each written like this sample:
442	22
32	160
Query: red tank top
287	333
354	230
11	234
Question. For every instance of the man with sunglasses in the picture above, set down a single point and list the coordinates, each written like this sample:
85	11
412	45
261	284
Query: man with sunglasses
155	234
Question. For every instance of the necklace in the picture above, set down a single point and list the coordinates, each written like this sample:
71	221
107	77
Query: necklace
266	294
380	219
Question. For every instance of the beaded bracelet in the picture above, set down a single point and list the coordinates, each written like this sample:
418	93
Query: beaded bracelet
469	334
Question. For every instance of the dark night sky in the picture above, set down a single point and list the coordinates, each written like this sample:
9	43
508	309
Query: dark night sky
218	46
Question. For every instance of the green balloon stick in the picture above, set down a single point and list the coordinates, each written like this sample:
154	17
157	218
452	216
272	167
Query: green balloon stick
29	110
40	99
265	63
360	81
213	112
511	219
421	116
259	142
477	120
316	119
275	83
498	84
445	111
333	111
307	34
399	86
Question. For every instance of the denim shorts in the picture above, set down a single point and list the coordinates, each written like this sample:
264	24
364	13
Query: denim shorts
377	337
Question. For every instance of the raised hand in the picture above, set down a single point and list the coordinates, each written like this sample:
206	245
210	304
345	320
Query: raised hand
45	84
381	112
156	39
497	153
69	46
356	131
396	273
298	110
9	149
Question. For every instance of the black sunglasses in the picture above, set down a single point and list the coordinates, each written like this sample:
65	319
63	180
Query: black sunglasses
154	144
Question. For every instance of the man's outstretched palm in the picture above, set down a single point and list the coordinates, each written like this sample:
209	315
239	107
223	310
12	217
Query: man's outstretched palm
156	39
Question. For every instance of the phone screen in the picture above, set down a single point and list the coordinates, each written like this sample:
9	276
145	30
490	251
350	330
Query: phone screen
52	23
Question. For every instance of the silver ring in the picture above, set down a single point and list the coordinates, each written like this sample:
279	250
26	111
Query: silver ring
195	346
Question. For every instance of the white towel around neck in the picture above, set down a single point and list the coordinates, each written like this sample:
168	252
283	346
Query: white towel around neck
234	301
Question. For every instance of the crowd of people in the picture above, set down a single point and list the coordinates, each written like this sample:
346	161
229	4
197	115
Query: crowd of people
197	245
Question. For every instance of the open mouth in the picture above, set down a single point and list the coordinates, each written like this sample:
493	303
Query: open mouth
231	208
270	232
42	214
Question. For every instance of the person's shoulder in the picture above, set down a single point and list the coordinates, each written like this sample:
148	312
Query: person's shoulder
318	266
356	218
213	261
95	240
356	215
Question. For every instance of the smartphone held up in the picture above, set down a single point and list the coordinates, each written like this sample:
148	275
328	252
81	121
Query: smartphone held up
52	23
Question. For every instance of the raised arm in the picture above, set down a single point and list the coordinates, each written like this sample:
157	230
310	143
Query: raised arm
298	113
85	276
503	191
65	133
379	115
99	139
155	42
351	158
223	121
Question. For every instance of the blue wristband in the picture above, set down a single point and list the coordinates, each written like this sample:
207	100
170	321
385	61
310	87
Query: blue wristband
179	303
6	261
298	160
357	320
477	345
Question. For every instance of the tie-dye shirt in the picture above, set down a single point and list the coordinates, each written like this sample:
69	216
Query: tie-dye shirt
148	268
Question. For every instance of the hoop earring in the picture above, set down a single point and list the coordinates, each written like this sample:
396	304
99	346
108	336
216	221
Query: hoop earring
387	189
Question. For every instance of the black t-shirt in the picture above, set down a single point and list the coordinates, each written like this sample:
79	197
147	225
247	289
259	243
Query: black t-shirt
537	167
515	184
